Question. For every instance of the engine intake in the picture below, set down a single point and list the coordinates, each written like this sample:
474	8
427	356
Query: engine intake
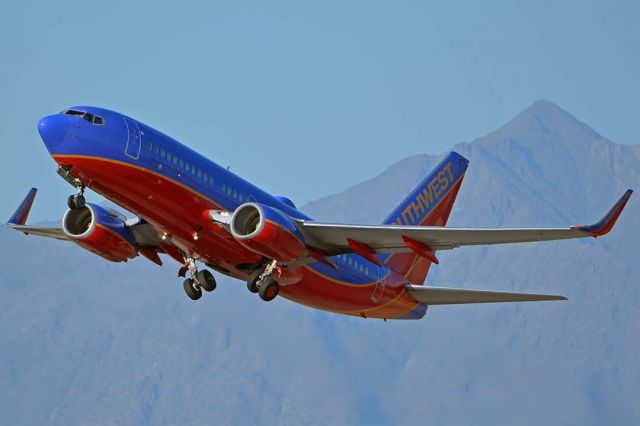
268	231
101	231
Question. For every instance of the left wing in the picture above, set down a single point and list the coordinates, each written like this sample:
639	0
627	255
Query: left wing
335	239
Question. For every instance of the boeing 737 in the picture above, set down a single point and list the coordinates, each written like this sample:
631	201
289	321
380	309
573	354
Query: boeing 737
194	211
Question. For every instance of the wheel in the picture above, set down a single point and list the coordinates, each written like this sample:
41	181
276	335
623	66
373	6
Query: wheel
76	201
191	290
206	280
269	289
252	282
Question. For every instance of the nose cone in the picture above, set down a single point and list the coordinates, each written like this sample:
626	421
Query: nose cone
53	130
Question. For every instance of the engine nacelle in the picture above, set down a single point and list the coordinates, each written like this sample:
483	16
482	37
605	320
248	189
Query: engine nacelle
101	231
268	231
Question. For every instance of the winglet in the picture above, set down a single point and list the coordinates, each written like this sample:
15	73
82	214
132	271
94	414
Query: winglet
21	214
606	223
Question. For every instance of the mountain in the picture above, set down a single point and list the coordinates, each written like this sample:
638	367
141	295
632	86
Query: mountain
85	341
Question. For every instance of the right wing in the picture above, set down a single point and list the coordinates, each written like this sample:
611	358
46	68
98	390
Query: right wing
40	231
145	234
19	219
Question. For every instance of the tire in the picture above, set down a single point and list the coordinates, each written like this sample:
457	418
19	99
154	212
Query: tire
269	290
206	280
76	202
192	292
252	282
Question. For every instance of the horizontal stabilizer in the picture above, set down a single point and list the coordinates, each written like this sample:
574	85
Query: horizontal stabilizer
456	296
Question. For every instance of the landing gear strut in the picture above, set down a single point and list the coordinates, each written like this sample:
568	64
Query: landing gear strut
199	279
77	201
263	282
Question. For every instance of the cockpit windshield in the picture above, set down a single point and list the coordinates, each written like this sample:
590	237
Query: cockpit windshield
91	118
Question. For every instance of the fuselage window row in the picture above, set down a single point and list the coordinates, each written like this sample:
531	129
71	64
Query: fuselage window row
179	163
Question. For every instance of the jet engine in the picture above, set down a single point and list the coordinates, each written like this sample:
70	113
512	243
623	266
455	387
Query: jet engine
268	231
101	231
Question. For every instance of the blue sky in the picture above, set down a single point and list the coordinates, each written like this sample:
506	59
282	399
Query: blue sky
308	98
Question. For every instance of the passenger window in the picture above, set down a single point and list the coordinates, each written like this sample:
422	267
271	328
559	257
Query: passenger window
193	170
181	163
156	148
206	177
149	146
162	153
211	180
199	174
175	160
168	156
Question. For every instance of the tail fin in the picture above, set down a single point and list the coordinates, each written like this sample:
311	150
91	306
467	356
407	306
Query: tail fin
428	205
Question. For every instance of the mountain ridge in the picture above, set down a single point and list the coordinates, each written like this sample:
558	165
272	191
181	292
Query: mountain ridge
85	339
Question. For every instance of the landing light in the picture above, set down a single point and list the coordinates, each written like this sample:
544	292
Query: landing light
195	237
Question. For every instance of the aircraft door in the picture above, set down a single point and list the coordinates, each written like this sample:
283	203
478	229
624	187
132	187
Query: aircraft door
381	283
134	142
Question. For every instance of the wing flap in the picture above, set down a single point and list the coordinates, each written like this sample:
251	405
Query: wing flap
457	296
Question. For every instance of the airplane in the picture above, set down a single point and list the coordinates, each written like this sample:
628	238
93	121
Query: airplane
195	211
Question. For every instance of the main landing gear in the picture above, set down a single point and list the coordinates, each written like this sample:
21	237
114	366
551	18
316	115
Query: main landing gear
199	279
77	201
263	283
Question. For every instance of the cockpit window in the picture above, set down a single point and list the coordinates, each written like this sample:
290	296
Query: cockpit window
93	119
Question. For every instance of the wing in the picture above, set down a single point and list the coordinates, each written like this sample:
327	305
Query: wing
40	231
19	219
335	239
457	296
146	235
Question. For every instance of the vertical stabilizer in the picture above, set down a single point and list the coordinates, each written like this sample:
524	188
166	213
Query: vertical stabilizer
429	204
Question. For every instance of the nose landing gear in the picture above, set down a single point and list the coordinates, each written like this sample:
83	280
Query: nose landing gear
77	201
